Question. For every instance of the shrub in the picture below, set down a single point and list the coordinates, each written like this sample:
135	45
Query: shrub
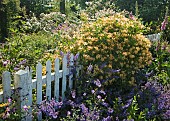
115	41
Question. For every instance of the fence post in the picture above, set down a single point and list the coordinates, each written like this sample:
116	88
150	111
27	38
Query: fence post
21	91
6	81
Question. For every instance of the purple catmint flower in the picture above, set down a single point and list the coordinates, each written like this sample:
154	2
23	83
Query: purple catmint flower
128	103
117	118
5	63
68	113
108	118
105	104
103	92
166	115
55	115
59	104
23	62
164	23
84	94
76	56
16	68
25	108
61	53
110	110
53	102
97	83
84	109
68	55
92	91
90	67
99	97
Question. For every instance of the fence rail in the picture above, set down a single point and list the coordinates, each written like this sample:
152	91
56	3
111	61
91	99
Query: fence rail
24	84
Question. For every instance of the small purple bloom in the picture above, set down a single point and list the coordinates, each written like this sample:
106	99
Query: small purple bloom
23	62
16	68
105	104
68	55
68	113
55	115
76	56
107	119
99	97
90	67
5	63
25	108
102	92
61	53
92	91
110	110
84	94
97	83
84	109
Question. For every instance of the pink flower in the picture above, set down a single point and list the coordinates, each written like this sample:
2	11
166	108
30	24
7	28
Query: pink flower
9	100
131	16
164	23
25	108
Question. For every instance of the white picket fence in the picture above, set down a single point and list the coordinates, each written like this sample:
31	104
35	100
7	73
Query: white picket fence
154	37
24	84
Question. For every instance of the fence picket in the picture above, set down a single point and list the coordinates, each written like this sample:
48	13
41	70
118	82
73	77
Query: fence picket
70	71
56	83
39	87
6	83
64	68
48	80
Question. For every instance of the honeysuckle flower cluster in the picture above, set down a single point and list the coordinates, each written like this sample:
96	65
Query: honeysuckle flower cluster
116	41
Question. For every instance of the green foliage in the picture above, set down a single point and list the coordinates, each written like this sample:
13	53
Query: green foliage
37	6
146	9
161	61
21	47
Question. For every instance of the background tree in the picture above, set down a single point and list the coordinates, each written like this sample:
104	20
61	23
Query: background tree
62	6
8	10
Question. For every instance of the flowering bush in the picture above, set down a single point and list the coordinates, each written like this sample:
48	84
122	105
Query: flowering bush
46	22
115	41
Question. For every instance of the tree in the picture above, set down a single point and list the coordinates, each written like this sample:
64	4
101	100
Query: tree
62	6
8	9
